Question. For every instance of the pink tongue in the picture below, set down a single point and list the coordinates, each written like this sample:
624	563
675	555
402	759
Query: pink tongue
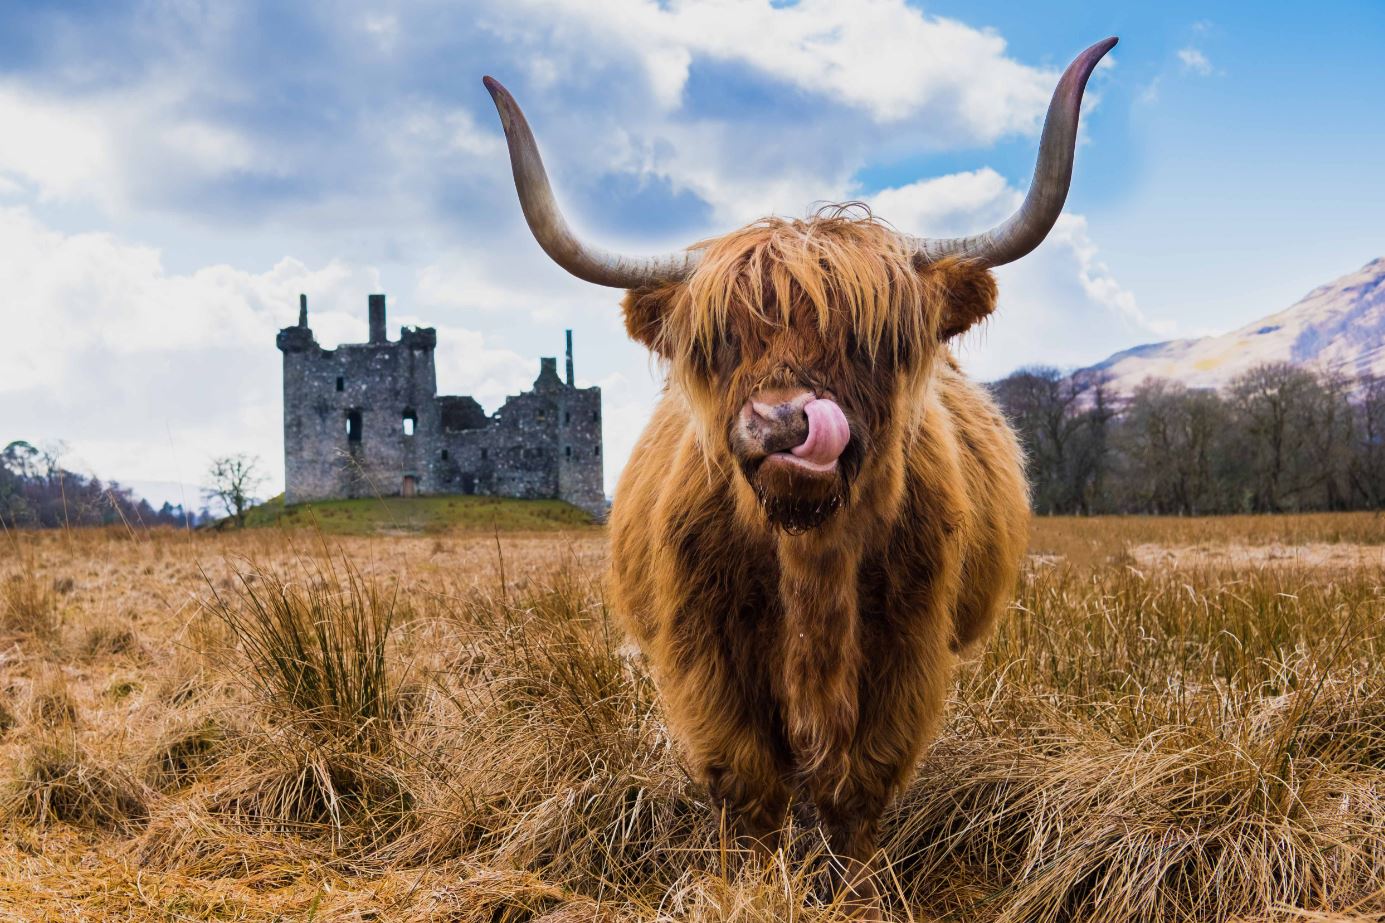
828	433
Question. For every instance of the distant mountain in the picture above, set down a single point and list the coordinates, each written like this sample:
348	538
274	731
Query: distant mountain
1339	326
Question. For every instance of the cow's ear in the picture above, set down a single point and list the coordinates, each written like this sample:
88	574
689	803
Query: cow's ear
645	311
969	296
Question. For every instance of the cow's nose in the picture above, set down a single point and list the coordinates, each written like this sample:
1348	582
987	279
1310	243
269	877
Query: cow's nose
779	425
779	408
781	414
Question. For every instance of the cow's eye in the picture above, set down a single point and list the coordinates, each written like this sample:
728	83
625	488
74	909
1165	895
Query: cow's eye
728	354
856	351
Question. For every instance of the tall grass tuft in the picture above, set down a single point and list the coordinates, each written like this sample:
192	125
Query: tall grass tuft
57	780
318	653
29	605
317	650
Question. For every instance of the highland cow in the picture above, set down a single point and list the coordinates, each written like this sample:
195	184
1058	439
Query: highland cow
824	514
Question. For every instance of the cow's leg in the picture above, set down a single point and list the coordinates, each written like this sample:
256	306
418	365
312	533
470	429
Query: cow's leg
850	814
733	752
821	683
716	689
750	795
899	709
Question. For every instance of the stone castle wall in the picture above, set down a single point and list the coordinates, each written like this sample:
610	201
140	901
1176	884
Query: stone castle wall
345	430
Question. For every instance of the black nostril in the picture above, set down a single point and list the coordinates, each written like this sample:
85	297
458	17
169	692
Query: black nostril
787	414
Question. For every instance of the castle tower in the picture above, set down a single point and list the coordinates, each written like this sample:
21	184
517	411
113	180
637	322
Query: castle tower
570	383
376	310
360	420
580	480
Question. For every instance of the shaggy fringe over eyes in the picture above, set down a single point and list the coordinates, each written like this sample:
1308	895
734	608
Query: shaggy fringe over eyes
848	272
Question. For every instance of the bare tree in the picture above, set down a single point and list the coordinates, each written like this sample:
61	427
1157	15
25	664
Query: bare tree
1091	454
1168	440
1062	422
234	480
1275	403
1330	442
1368	461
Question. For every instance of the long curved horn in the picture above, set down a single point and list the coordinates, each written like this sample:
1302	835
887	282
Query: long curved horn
551	229
1027	228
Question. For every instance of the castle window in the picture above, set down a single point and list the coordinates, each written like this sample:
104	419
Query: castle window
410	421
597	452
567	416
596	416
483	454
444	455
353	426
341	383
568	452
540	415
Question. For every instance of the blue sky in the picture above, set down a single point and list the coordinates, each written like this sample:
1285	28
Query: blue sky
172	174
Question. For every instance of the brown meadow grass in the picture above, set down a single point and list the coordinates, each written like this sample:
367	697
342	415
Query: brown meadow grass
267	726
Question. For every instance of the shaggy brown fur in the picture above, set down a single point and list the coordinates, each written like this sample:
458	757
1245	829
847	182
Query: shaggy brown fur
811	656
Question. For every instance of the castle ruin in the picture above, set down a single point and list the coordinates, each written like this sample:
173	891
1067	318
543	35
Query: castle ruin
365	420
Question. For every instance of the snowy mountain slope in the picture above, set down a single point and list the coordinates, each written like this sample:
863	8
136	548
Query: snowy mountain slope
1339	326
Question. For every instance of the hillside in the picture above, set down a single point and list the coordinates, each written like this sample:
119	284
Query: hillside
420	514
1339	326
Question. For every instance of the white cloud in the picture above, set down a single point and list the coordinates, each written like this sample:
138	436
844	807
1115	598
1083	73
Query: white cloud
384	28
1096	278
450	131
1194	61
703	158
466	365
60	148
111	148
881	56
948	206
914	82
461	282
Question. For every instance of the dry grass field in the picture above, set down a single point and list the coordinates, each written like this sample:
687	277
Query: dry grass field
1179	720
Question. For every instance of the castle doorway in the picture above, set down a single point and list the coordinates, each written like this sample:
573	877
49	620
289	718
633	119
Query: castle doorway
410	486
468	483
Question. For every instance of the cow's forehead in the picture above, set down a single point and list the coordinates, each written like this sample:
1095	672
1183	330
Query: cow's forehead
830	280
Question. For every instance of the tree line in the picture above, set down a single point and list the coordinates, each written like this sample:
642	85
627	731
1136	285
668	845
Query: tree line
36	491
1277	438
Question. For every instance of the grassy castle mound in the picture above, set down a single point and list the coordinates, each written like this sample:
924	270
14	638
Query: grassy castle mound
386	515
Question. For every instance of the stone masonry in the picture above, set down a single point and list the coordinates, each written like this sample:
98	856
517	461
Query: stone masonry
365	420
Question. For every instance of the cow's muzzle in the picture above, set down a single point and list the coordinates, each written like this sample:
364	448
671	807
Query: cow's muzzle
798	429
790	444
